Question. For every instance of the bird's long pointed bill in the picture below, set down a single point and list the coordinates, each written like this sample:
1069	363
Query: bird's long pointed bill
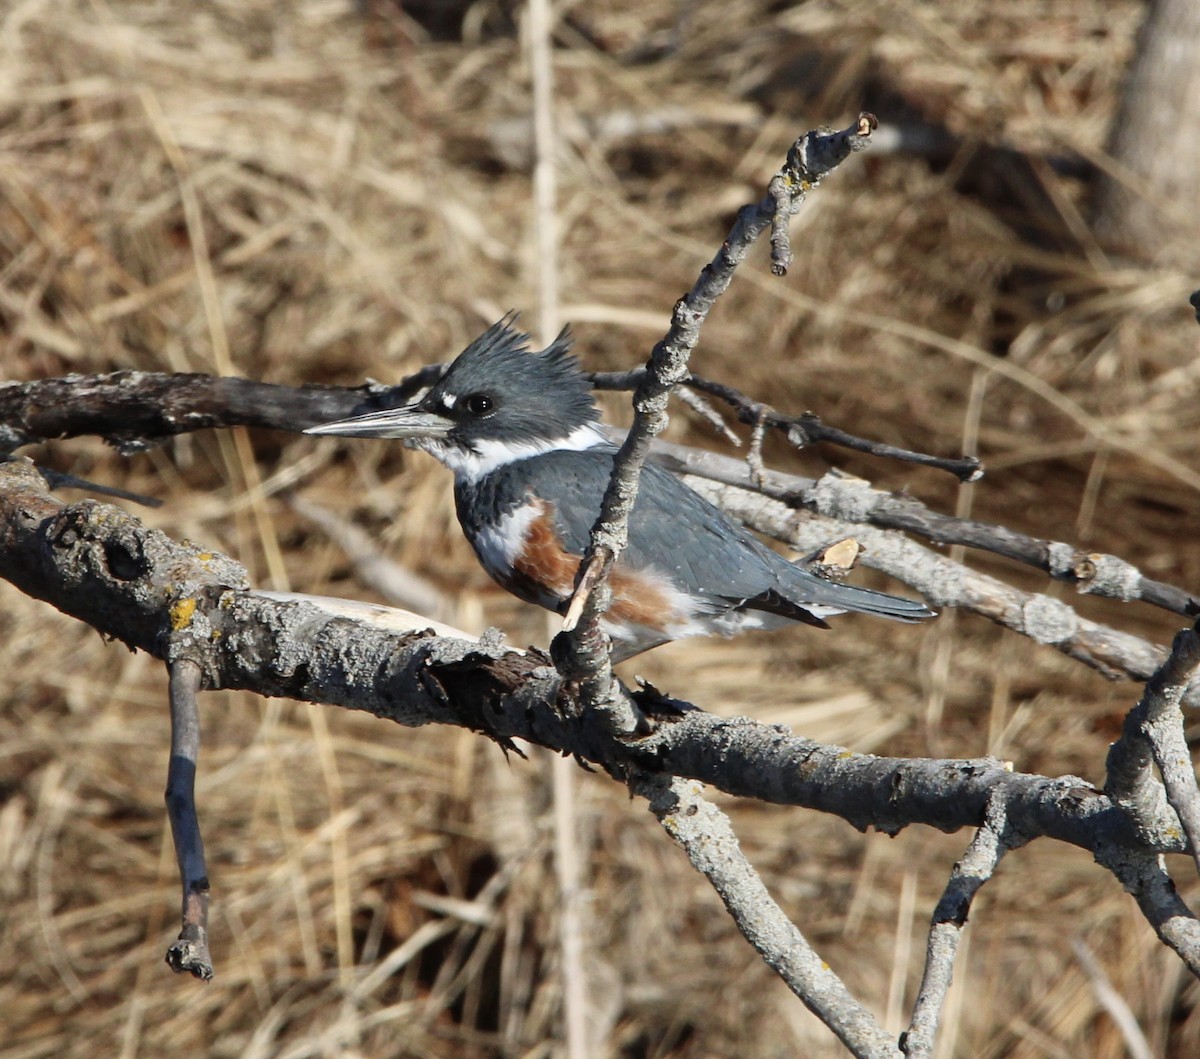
409	421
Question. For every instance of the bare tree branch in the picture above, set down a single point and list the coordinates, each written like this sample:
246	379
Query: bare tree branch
584	655
801	430
856	500
193	609
1145	877
101	565
946	583
1153	732
768	763
134	410
983	855
809	161
176	601
705	835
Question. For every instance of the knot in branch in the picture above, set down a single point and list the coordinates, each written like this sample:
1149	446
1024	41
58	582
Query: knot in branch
849	499
1049	621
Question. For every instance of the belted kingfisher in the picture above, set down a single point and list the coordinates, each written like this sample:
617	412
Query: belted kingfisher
521	433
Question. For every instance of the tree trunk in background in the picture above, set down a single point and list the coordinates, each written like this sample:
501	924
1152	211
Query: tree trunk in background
1155	142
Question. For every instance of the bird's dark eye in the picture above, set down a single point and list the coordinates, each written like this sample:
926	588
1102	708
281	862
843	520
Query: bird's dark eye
479	404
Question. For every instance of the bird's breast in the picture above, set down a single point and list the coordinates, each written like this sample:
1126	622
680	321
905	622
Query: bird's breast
523	551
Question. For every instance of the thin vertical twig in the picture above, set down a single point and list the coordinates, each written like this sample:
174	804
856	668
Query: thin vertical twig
190	952
977	865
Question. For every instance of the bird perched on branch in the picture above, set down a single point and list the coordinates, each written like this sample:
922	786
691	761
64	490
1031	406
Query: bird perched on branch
521	433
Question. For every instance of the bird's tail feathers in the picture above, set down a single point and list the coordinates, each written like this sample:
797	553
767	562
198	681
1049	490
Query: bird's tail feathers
860	600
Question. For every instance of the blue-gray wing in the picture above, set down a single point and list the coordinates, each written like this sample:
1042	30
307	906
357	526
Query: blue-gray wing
678	533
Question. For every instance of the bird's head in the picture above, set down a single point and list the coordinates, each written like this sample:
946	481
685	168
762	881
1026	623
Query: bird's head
497	402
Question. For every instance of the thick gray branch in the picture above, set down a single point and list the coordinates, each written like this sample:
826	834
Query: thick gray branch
1145	877
102	566
746	758
134	409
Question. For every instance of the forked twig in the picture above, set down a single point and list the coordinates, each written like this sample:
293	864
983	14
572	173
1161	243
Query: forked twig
808	162
801	430
1154	733
808	429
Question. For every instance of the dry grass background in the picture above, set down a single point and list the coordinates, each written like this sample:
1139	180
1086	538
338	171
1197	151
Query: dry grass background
296	192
